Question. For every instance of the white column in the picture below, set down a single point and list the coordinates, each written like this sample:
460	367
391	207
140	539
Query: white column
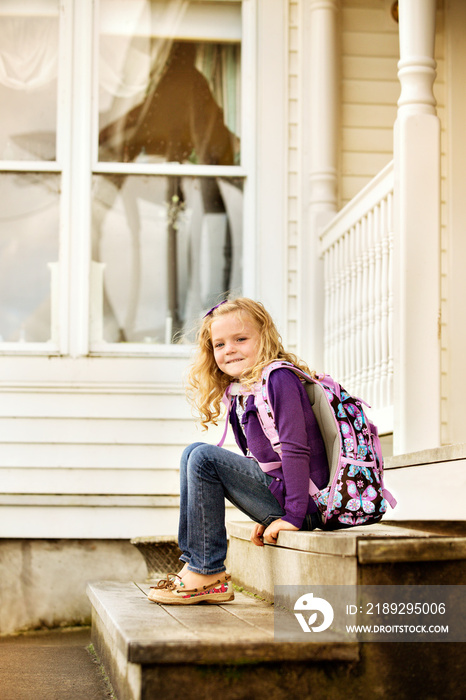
417	235
456	214
320	98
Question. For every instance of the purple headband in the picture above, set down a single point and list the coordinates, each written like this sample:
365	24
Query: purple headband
215	307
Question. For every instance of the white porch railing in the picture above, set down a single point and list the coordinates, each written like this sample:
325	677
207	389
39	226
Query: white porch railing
357	250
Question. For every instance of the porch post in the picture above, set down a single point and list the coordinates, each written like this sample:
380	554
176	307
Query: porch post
417	235
320	95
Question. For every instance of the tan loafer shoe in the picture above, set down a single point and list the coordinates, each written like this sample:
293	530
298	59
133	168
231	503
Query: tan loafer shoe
217	592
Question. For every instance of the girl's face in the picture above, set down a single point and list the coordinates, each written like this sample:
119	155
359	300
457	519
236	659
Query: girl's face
236	343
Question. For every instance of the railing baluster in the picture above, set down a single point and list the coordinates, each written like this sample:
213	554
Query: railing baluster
365	310
327	304
359	311
339	305
332	318
344	309
390	301
352	302
357	249
371	223
378	227
384	293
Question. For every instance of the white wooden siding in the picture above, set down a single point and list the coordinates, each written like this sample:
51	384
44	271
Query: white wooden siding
440	96
370	90
293	182
90	447
369	93
83	455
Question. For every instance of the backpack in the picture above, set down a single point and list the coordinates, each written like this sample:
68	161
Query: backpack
355	494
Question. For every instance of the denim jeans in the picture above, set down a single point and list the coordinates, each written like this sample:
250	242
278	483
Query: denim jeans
208	475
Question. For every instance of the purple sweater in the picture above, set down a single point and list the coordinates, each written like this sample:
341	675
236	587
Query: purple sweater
303	451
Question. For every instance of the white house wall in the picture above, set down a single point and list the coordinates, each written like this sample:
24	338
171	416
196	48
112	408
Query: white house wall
90	446
294	220
454	233
369	94
368	91
440	93
80	435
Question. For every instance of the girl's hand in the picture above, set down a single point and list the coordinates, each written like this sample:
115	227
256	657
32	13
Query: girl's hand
256	535
271	533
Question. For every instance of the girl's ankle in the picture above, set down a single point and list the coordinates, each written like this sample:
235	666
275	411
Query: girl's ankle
194	580
183	571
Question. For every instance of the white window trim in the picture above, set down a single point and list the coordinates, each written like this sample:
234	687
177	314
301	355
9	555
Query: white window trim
167	169
271	174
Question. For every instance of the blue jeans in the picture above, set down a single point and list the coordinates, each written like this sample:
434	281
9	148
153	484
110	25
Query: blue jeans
208	475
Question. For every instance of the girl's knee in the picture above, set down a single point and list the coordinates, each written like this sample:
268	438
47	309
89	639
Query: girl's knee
201	457
189	450
203	451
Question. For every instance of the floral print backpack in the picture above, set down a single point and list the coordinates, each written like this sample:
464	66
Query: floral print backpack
355	494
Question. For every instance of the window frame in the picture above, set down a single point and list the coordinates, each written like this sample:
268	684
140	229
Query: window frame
58	343
243	171
76	163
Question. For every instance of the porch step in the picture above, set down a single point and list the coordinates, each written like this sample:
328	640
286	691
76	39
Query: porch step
414	479
201	651
386	553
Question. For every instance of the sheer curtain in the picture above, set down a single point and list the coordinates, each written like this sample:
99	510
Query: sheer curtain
29	217
28	82
28	52
132	59
165	97
136	53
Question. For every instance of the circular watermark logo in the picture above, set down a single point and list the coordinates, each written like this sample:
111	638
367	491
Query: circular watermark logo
312	605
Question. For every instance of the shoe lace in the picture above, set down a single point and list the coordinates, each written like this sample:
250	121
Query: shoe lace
167	583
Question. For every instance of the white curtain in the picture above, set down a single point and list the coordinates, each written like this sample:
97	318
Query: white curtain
136	39
130	65
28	52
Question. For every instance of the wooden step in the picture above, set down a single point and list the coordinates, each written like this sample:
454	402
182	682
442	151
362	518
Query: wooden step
382	554
198	651
153	651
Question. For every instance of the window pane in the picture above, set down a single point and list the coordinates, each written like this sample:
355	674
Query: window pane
28	243
28	79
169	81
170	246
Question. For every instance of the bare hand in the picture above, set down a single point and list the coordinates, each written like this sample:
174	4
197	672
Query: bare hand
270	534
256	535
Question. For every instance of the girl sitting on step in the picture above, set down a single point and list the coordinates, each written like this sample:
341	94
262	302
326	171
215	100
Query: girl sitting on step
237	339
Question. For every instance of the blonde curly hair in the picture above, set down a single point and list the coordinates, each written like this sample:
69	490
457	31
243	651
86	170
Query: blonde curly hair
207	383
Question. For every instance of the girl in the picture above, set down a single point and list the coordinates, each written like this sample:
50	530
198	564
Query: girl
237	340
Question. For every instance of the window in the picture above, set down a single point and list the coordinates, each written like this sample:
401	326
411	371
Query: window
30	181
124	194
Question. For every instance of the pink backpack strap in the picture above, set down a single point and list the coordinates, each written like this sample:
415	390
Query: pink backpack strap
266	420
264	408
378	449
266	417
335	387
227	399
269	466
